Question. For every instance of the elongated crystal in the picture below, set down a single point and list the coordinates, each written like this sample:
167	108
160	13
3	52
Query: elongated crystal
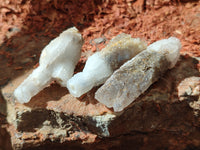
102	64
136	75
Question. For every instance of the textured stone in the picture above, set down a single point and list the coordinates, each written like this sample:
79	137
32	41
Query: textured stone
189	89
53	117
5	143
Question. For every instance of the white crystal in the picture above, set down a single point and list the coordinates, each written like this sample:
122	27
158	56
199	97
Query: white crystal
57	62
102	64
136	75
94	73
171	47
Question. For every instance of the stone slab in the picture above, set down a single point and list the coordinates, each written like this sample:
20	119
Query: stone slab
55	116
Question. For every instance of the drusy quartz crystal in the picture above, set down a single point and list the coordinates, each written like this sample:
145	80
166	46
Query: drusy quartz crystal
136	75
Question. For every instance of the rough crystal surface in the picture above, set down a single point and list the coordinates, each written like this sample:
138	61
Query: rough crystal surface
102	64
136	75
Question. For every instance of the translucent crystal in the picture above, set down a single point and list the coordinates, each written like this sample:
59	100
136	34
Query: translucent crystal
102	64
136	75
57	62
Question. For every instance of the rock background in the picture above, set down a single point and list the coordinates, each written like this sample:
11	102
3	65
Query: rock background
5	141
166	116
165	111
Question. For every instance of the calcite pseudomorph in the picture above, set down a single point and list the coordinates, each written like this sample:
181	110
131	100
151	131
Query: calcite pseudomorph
102	64
57	62
136	75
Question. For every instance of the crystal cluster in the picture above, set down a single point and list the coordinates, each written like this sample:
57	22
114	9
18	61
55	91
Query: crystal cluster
126	67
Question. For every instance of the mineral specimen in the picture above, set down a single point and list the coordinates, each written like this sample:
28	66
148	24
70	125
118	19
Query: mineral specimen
57	62
136	75
102	64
